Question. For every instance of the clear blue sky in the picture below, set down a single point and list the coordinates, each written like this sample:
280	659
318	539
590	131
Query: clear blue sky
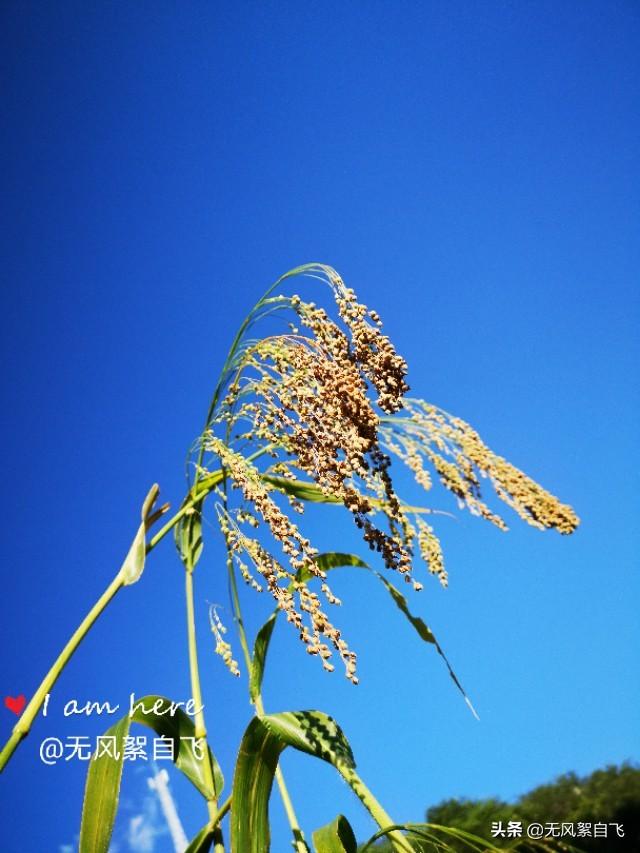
472	170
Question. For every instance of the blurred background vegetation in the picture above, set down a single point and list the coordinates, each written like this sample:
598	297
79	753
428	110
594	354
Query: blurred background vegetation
610	795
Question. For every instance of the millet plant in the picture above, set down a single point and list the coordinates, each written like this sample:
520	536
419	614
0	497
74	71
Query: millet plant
312	414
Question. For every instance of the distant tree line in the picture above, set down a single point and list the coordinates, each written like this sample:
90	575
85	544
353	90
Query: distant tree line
610	796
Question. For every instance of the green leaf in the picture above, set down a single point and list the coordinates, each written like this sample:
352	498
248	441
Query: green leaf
426	634
313	732
334	560
431	836
336	837
202	841
265	738
260	648
133	564
331	560
179	727
300	489
101	795
104	775
423	630
188	537
310	492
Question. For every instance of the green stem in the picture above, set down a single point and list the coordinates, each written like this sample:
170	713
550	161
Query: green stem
200	727
23	726
224	808
372	805
235	601
215	823
299	843
398	840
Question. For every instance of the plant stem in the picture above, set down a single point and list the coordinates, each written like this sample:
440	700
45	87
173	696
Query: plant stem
400	843
377	812
23	726
200	728
224	808
299	843
235	602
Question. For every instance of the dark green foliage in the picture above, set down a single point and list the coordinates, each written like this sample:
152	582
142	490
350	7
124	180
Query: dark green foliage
611	796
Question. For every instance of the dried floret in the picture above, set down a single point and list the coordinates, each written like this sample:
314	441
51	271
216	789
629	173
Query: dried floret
326	400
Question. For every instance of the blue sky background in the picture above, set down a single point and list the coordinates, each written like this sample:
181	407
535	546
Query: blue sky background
471	168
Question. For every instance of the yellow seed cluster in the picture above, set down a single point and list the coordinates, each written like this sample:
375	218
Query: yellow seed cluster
309	398
222	646
460	458
246	477
372	351
431	551
326	401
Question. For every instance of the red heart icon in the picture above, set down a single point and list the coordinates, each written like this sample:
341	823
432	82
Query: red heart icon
15	704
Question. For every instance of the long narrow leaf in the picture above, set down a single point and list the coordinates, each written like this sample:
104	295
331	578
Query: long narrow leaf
300	489
303	490
178	727
436	837
260	648
334	560
265	738
102	793
425	633
104	776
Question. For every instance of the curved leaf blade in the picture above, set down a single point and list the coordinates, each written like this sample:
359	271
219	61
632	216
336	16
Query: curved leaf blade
425	633
188	537
168	721
252	782
304	490
102	792
301	489
264	740
104	775
334	560
431	836
260	649
336	837
313	732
